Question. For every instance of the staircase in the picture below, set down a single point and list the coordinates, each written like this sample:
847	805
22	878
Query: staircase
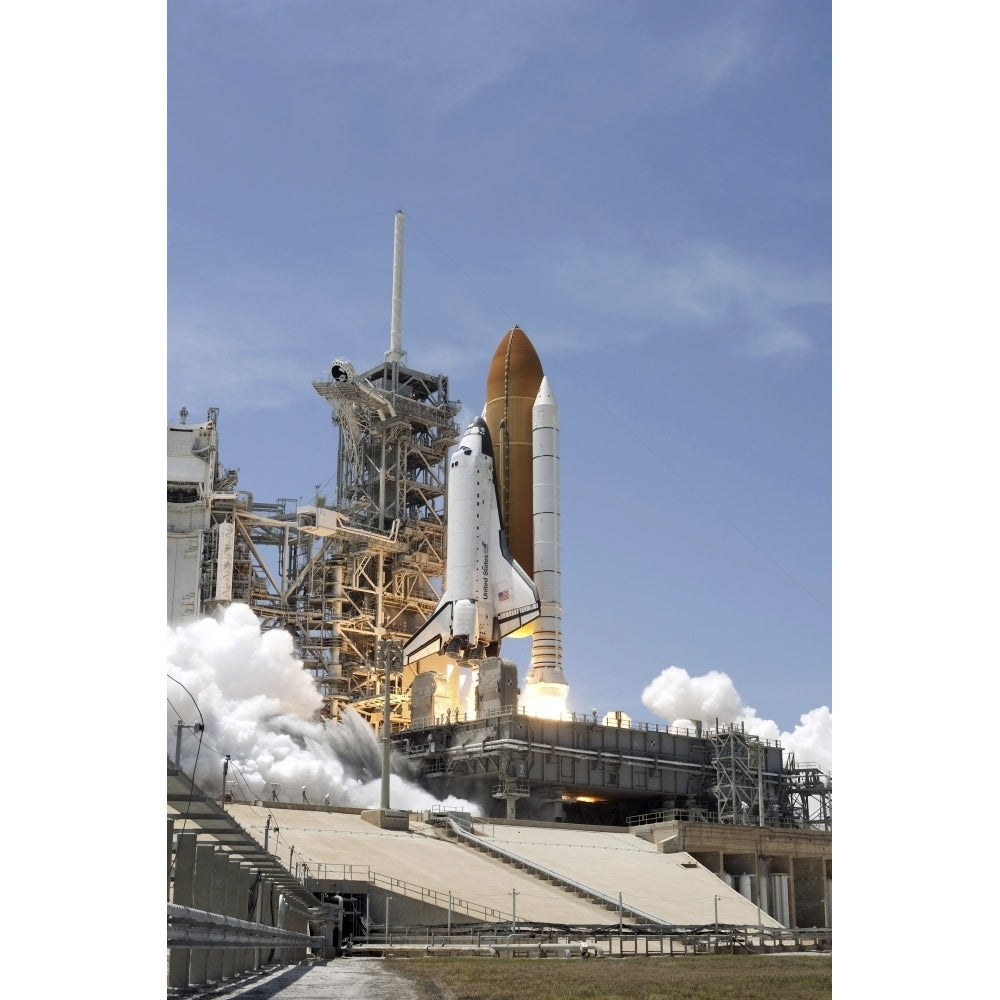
460	828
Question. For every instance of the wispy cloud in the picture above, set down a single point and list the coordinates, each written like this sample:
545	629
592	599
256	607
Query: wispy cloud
439	55
697	286
741	41
233	370
435	54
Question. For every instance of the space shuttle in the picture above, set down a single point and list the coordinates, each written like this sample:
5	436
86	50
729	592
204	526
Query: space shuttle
487	594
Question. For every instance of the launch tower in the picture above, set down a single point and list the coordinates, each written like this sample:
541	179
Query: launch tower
338	577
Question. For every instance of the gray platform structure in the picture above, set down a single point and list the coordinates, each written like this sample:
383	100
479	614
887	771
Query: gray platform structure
582	769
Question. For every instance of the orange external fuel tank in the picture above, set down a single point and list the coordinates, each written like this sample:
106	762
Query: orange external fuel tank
511	387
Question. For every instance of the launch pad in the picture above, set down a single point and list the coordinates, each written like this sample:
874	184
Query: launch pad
581	770
344	577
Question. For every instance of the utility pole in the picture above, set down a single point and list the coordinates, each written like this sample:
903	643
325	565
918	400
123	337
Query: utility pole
225	771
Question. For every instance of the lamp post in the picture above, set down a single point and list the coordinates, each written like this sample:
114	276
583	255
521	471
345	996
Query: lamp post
196	728
513	922
387	898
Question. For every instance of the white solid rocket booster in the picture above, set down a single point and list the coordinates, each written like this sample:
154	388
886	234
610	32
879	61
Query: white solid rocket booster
546	675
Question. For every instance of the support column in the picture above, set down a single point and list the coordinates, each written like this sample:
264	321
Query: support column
232	909
244	957
827	896
203	865
183	895
298	923
170	850
266	917
220	872
793	919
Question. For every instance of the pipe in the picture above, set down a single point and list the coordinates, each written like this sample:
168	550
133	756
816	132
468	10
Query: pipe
215	937
203	926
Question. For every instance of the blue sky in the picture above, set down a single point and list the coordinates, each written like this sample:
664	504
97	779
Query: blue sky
644	187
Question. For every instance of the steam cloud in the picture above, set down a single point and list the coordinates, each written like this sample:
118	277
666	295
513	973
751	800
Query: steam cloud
258	706
680	698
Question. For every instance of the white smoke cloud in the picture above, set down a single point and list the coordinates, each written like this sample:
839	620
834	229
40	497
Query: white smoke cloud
258	706
677	697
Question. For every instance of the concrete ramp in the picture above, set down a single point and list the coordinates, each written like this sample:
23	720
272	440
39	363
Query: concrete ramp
341	844
674	888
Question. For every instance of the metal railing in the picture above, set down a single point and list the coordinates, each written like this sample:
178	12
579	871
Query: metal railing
191	928
670	815
363	873
599	941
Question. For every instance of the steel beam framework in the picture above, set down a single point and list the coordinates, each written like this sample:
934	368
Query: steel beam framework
339	577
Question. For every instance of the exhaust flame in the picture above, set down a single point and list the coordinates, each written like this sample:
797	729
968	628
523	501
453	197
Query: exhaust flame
545	701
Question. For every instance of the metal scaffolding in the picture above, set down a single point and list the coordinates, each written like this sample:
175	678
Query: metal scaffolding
807	795
338	577
740	762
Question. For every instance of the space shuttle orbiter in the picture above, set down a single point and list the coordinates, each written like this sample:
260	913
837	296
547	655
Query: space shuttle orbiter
487	594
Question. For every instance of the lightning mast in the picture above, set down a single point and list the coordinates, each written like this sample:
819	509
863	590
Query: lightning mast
396	426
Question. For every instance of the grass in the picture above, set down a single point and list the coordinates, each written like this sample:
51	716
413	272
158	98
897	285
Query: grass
696	977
